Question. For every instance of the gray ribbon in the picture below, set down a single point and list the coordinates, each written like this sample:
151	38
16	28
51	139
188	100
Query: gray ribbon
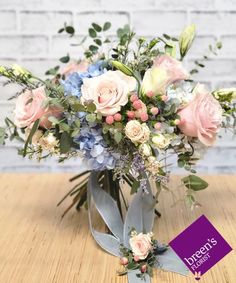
140	216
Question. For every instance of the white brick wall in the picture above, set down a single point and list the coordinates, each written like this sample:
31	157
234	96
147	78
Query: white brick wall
28	35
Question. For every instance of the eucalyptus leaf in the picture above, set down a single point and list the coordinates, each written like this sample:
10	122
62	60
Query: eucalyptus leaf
106	26
96	27
92	33
194	183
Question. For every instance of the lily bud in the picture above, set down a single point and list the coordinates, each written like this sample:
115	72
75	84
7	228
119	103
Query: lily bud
123	68
186	39
18	70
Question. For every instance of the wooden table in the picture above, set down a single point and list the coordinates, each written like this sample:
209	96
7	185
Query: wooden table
36	245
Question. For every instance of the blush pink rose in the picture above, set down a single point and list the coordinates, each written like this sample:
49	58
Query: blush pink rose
202	117
165	71
141	245
108	92
29	108
75	67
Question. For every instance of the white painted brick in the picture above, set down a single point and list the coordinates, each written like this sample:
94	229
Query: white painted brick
7	91
6	110
216	69
200	46
62	44
39	66
23	45
51	5
7	21
213	22
43	22
186	4
83	20
156	23
229	46
128	4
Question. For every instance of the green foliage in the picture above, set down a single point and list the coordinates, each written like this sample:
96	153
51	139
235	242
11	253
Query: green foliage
194	183
65	59
106	26
2	135
68	29
29	139
65	143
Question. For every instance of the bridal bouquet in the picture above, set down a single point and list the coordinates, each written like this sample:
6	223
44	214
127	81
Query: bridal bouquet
124	108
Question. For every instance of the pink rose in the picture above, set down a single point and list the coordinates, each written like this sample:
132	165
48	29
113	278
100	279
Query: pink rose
201	117
165	71
141	245
108	92
29	108
75	67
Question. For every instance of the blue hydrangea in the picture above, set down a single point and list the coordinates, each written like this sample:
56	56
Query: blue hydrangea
72	84
92	145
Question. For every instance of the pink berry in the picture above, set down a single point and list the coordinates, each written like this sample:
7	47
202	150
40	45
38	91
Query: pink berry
144	268
150	94
133	97
109	120
117	117
137	104
154	110
144	117
157	126
131	114
164	98
124	261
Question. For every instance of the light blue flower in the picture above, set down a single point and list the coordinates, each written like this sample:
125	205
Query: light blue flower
95	151
72	84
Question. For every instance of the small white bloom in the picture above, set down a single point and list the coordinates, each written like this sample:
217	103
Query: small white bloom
145	149
49	142
161	141
137	132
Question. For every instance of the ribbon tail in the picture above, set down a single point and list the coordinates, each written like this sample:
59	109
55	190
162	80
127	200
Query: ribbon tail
108	242
170	261
132	277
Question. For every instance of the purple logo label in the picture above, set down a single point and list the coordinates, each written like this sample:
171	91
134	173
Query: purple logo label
200	246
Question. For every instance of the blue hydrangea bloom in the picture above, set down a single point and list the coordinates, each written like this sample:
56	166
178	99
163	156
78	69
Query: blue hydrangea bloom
94	149
72	84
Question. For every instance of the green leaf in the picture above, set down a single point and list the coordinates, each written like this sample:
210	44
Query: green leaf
106	26
93	48
75	133
123	68
61	30
70	30
118	137
135	187
65	143
194	183
98	41
92	33
64	127
91	118
97	27
77	123
30	136
52	71
65	59
91	107
2	136
53	119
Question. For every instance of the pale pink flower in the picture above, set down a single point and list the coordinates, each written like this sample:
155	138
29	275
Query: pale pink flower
141	245
165	71
202	117
108	92
30	106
